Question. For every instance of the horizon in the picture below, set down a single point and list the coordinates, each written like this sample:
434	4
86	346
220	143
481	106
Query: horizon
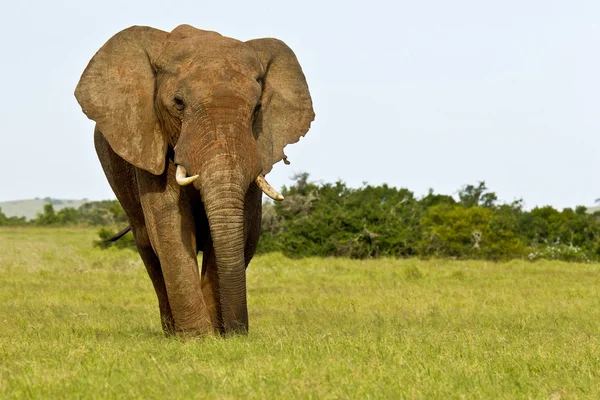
454	195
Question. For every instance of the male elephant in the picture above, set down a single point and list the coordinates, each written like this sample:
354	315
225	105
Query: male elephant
187	125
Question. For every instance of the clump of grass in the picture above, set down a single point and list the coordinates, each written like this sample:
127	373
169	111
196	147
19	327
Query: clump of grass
411	272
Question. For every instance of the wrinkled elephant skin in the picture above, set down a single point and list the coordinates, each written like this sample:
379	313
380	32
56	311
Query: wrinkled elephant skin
187	123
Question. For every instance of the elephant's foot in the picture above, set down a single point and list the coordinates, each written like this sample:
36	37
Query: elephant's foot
167	322
194	332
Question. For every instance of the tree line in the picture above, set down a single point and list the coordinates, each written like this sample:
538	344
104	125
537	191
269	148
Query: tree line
95	213
377	221
332	219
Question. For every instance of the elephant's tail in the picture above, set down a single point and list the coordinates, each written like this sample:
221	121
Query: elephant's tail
118	236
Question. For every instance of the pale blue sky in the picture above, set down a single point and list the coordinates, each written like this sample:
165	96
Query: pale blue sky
417	94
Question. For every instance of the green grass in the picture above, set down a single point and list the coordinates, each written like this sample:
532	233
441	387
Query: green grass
78	322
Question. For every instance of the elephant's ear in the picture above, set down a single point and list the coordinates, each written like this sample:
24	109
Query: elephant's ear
117	91
286	111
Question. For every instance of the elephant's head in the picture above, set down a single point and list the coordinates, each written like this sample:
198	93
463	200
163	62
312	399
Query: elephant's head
225	108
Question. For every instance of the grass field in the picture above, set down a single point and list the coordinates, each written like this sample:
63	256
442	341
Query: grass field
78	322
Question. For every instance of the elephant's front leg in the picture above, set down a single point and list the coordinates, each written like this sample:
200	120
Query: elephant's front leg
122	178
171	228
210	285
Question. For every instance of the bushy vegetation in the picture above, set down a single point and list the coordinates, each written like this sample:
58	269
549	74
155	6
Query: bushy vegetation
11	221
373	221
96	213
106	240
333	219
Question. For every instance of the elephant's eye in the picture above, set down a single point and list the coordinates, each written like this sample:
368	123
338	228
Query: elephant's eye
178	103
257	109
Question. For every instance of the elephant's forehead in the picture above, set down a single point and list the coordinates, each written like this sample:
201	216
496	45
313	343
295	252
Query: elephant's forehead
210	54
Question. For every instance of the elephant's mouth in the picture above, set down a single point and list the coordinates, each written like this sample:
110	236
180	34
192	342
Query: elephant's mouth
261	182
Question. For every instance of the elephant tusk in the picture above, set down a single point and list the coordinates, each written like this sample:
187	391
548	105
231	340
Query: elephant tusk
182	178
268	189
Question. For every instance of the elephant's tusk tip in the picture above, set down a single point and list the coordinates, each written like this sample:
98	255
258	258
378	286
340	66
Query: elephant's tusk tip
267	189
182	178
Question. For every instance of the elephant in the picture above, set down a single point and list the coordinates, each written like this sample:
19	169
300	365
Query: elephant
187	125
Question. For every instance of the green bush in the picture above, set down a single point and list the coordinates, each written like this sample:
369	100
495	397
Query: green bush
559	251
474	232
11	221
334	220
375	221
125	242
102	213
96	213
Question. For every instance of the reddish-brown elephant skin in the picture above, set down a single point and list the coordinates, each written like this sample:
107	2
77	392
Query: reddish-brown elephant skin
222	109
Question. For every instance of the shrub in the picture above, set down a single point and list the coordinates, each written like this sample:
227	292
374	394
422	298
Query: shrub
11	221
375	221
474	232
125	242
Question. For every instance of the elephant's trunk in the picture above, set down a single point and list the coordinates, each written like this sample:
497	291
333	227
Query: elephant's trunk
224	205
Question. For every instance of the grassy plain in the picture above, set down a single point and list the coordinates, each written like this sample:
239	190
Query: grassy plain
78	322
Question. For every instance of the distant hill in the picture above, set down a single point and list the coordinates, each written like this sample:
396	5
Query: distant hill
593	209
29	208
